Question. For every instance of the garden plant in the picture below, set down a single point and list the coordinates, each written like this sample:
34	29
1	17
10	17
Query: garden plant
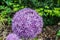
38	19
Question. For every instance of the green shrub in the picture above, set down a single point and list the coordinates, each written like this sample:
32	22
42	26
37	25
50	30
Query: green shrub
49	10
51	17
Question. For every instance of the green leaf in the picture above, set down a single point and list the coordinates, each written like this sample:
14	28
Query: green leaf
8	2
58	33
56	9
58	2
2	19
20	1
8	10
47	7
16	5
40	13
9	20
48	11
2	7
37	10
3	14
1	38
35	38
15	9
57	13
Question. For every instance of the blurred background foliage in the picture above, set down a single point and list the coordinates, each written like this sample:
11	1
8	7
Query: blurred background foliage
48	9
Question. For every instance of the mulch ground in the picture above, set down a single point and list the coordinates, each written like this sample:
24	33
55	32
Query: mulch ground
48	32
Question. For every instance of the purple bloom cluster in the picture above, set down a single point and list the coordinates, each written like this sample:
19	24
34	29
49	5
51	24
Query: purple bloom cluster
26	23
12	36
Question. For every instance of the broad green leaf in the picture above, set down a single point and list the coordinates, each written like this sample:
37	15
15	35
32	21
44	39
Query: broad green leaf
8	2
41	13
56	9
48	11
46	6
37	10
15	9
57	13
16	5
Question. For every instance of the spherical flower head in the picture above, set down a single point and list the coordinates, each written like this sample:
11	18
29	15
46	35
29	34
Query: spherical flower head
12	36
26	23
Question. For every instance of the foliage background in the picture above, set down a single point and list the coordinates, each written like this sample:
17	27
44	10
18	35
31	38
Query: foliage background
48	9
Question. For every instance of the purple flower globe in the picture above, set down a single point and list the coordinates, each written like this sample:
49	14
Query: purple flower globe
12	36
26	23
